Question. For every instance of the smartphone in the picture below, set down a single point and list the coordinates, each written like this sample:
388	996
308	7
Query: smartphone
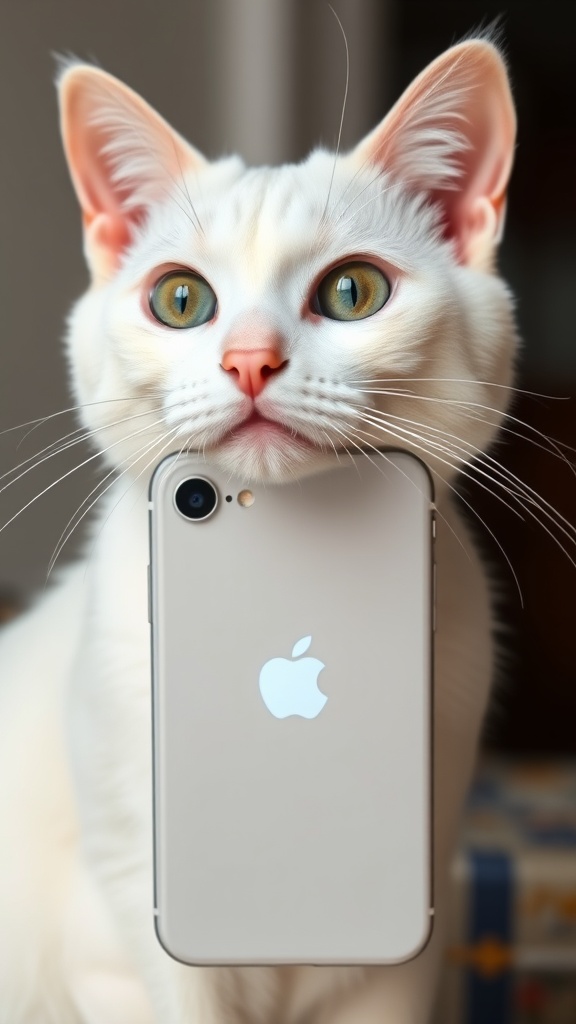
292	662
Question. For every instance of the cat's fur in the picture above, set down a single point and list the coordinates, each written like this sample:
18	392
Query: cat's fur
423	197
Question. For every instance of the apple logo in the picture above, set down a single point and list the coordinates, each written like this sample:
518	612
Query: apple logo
291	687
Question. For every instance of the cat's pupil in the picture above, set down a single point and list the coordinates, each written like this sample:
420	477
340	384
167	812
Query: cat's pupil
348	291
181	298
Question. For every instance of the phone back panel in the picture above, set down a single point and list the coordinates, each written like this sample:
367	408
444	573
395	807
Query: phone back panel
292	786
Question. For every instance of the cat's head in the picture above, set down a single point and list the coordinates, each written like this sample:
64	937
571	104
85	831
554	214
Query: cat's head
271	317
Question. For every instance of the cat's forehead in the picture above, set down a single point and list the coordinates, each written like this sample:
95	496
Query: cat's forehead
268	218
254	203
270	194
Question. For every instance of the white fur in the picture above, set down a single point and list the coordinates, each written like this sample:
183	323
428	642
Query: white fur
76	935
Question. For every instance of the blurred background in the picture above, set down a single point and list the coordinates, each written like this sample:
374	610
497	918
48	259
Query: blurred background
266	78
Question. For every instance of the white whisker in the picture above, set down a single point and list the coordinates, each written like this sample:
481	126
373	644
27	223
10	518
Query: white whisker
458	380
377	176
74	469
341	27
476	514
330	441
170	434
65	536
372	199
524	501
86	435
467	406
40	420
516	488
382	454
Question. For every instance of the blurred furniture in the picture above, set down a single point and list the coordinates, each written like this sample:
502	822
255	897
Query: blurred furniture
511	954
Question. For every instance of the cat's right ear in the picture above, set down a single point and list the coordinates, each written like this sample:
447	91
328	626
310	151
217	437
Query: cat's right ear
122	156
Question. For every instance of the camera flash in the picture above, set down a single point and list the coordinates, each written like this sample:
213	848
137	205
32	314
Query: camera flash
245	498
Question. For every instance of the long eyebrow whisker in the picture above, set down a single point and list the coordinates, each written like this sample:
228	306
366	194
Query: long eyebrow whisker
389	185
182	209
340	25
184	190
372	199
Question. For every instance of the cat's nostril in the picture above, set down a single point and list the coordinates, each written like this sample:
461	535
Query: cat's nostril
252	368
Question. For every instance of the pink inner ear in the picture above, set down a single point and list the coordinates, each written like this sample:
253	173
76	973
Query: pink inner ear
109	226
477	206
122	157
109	232
457	114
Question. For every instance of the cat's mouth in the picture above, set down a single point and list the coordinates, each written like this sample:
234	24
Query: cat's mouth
260	448
256	421
257	428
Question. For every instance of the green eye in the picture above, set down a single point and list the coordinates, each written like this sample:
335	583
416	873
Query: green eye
182	299
352	291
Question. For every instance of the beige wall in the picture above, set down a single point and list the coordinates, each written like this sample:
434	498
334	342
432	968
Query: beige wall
265	77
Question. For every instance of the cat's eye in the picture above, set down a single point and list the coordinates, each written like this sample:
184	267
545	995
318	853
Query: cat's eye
352	291
182	299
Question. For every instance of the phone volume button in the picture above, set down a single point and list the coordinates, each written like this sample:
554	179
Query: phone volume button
149	588
434	597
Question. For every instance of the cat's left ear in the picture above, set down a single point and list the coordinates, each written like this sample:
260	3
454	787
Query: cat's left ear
122	156
451	136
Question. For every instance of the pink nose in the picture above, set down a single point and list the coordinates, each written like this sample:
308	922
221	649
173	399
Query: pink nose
252	367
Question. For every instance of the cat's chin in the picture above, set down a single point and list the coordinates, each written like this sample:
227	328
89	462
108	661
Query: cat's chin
269	453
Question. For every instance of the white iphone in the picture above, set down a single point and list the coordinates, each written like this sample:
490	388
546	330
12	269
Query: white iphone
292	636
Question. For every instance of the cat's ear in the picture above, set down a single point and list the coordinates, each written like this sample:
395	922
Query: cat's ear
451	136
122	157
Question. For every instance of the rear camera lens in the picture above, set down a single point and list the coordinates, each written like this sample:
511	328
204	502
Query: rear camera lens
196	498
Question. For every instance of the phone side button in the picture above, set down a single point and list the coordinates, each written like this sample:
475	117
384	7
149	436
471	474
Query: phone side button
434	597
149	588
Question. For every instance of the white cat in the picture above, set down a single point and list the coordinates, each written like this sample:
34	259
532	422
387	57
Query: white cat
268	317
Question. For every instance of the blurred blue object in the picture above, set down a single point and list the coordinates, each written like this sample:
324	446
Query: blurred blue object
511	955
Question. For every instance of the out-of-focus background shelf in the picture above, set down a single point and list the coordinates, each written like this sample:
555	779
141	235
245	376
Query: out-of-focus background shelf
511	953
